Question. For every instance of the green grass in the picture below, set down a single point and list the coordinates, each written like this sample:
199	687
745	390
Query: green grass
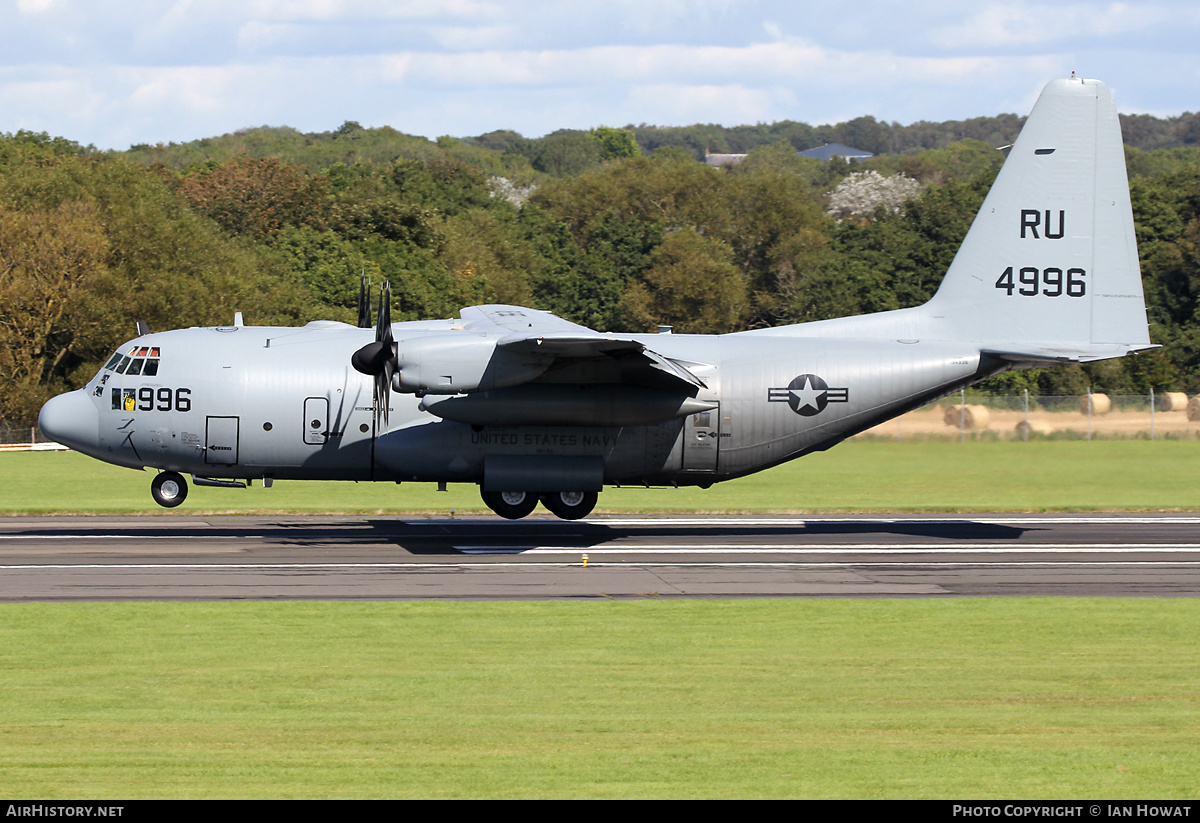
1030	698
1116	475
980	698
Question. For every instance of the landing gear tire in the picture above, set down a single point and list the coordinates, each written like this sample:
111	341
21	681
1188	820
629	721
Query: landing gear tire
570	505
510	505
168	489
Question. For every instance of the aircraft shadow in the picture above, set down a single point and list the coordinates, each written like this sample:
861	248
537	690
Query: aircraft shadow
449	537
493	535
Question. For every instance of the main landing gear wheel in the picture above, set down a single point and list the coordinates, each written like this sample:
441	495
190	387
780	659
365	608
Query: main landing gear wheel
570	505
169	489
510	505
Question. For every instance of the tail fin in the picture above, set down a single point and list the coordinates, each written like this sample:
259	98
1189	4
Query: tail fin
1049	268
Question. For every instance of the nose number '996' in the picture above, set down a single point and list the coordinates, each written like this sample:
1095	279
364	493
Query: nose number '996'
150	399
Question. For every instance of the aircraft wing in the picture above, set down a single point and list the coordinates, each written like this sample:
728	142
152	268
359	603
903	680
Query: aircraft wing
534	368
540	333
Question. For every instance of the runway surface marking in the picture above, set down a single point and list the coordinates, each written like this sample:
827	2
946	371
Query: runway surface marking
736	549
850	520
847	548
256	557
496	565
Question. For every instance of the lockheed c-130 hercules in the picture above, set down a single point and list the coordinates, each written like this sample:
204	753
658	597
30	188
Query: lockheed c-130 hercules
534	408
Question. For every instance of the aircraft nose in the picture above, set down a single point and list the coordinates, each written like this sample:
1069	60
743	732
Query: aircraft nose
71	419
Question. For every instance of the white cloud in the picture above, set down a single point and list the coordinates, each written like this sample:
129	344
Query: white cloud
151	70
192	89
1016	25
33	6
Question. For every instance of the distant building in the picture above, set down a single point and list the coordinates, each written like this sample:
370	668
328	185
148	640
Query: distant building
830	150
722	159
823	153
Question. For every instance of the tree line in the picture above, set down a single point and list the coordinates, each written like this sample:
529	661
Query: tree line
281	225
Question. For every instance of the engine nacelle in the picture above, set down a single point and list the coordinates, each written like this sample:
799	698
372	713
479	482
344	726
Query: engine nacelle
448	364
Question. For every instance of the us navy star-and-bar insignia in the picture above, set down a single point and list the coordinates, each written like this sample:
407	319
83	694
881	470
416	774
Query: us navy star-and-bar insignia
808	395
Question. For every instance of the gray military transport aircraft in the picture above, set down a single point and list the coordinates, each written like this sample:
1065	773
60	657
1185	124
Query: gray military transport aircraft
531	407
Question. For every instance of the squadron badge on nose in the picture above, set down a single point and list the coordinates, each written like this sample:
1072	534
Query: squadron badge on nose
808	394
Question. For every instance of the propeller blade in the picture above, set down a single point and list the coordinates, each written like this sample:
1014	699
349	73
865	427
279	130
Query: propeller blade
384	330
383	384
364	304
379	358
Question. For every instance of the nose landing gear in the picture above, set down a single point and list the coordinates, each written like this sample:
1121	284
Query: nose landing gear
168	489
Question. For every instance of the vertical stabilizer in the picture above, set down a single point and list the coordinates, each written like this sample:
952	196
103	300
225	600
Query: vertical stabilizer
1051	260
1049	270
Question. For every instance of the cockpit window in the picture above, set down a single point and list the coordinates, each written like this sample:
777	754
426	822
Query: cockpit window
139	360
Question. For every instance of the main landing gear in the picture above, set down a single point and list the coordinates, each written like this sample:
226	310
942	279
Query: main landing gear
510	505
515	505
570	505
168	489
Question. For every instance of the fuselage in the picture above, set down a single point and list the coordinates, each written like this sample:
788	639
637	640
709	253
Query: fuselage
244	402
537	409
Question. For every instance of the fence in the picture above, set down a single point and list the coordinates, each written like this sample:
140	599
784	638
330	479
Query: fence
1161	416
22	438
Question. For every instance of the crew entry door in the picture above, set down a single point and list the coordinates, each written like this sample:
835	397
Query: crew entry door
221	441
316	420
701	441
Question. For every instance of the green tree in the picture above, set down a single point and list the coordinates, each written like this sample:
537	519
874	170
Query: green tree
615	143
102	244
51	259
691	285
566	153
255	197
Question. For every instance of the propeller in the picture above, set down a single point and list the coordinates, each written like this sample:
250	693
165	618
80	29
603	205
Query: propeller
364	303
378	358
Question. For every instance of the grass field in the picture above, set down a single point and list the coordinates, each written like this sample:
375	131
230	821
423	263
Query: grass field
1116	475
967	698
956	698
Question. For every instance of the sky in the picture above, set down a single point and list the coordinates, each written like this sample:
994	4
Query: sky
114	73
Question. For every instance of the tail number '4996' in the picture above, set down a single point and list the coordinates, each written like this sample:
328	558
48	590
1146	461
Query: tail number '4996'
1050	282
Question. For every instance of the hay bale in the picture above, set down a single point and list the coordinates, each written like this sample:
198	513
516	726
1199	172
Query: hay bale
1101	404
1024	430
970	417
1193	409
1171	401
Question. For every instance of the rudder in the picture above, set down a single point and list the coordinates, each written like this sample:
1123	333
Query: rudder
1050	262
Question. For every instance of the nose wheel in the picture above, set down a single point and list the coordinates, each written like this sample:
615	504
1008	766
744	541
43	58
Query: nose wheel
168	489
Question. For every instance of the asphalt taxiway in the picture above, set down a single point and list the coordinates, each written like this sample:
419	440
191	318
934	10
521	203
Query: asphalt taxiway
216	558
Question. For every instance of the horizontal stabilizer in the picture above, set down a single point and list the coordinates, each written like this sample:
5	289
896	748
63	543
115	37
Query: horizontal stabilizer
1056	356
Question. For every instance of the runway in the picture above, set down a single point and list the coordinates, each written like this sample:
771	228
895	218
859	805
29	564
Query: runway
342	558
